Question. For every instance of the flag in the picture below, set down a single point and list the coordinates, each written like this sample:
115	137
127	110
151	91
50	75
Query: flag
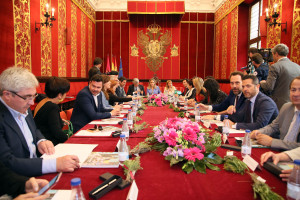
120	68
108	65
112	64
116	68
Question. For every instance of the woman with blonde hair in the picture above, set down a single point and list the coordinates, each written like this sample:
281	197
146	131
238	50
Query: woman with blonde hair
200	90
169	89
152	87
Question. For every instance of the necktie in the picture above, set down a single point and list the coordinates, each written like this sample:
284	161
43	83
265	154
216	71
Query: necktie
236	100
248	112
294	128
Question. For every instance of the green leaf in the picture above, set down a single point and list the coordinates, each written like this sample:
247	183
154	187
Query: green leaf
215	160
173	161
181	114
212	167
200	166
187	167
169	157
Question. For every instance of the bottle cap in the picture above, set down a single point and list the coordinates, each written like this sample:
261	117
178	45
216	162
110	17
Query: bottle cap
124	119
225	116
122	136
75	181
297	162
129	110
247	131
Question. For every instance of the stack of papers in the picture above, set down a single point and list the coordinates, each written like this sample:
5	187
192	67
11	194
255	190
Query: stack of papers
107	121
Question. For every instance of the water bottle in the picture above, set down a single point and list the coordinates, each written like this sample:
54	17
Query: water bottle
197	113
125	129
123	149
130	120
226	126
246	145
293	185
134	109
76	193
185	104
175	101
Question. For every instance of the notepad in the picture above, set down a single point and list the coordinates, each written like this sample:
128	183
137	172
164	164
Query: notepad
102	160
107	121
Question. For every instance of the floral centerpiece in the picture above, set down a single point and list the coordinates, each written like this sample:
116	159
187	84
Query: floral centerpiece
157	100
183	141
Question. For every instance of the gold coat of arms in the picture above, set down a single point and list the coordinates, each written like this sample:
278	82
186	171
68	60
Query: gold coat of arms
154	44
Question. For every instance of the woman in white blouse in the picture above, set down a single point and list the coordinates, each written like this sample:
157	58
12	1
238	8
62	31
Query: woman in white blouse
169	89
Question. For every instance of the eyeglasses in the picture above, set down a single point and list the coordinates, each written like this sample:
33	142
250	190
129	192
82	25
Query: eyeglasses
27	97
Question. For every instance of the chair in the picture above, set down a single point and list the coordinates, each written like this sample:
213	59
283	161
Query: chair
63	115
69	113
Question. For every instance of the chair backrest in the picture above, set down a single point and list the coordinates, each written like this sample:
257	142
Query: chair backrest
69	113
63	115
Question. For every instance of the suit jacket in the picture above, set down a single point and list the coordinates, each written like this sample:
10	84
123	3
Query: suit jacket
131	89
280	76
262	71
230	101
264	112
280	126
10	182
294	154
14	151
185	91
85	109
120	92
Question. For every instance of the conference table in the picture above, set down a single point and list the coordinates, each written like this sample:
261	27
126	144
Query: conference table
157	180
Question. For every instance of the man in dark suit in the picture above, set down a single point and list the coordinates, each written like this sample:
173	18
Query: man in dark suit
20	140
96	68
88	105
234	102
259	109
261	68
185	90
120	91
13	184
280	75
135	87
279	134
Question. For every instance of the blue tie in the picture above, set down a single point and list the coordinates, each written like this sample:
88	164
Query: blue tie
294	128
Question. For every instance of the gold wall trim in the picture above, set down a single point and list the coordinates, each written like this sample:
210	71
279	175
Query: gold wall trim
62	49
91	15
83	46
73	40
227	12
110	20
90	44
295	52
152	13
197	22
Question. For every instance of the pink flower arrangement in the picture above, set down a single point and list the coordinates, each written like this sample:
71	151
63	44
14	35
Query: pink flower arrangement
193	154
158	99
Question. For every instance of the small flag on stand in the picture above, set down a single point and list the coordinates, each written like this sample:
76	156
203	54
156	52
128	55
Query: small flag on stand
107	65
120	68
116	68
112	64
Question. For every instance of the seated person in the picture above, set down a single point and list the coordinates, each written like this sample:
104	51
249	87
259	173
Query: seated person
152	87
113	98
20	140
113	75
13	185
184	83
135	87
261	68
200	89
283	132
88	105
47	112
120	91
191	93
169	89
233	103
214	94
105	97
259	109
290	155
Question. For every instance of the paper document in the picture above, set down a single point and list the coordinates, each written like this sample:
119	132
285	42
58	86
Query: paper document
107	131
124	111
107	121
80	150
236	131
126	106
59	194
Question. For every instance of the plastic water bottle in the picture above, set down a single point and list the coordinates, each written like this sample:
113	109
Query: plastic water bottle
246	145
185	104
134	109
130	120
226	126
293	185
197	113
125	129
76	193
123	149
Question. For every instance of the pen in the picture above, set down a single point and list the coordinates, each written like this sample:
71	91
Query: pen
104	186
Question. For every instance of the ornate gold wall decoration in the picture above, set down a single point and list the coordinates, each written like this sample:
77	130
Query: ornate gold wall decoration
62	50
224	48
73	40
85	7
46	43
225	9
217	51
90	44
153	49
234	40
295	51
83	45
274	33
174	51
134	51
22	34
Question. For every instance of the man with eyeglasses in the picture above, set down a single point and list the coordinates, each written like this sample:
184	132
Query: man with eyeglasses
20	140
283	132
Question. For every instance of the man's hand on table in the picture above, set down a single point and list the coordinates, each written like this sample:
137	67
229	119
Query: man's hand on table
115	112
202	106
191	102
230	110
46	147
264	139
67	163
254	134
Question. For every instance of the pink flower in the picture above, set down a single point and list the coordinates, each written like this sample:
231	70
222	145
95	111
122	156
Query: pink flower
193	153
189	134
171	137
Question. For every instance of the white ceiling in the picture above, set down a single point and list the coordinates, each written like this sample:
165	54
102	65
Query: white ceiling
202	6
